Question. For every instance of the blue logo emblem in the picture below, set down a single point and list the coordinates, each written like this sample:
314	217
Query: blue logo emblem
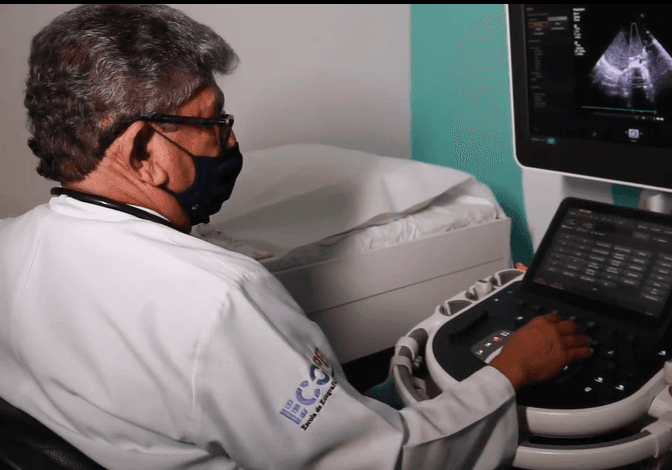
309	397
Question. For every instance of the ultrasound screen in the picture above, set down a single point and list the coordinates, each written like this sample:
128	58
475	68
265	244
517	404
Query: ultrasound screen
611	259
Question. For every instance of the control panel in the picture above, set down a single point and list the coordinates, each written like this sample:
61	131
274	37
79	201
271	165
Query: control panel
622	362
607	268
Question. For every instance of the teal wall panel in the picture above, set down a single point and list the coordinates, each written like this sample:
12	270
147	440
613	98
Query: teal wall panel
625	196
460	115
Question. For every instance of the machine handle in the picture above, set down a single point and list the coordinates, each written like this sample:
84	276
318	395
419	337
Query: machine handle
587	457
408	392
651	442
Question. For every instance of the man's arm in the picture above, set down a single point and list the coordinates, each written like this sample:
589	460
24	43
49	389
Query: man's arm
261	396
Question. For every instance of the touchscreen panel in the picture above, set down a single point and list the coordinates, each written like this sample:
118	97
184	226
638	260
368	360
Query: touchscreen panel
622	260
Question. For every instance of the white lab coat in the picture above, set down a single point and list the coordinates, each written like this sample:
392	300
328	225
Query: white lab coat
151	349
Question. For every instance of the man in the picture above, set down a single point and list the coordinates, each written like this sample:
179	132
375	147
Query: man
146	347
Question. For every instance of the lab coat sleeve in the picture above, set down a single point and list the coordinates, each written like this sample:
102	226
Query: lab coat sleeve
268	393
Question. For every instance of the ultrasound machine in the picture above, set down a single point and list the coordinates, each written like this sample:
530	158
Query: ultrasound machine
591	97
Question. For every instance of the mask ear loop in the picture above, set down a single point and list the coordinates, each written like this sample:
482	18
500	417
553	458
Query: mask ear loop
224	143
174	143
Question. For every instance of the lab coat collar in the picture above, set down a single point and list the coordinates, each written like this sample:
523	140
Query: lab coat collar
69	206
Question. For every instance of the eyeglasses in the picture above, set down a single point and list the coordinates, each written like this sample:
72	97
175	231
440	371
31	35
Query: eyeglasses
225	123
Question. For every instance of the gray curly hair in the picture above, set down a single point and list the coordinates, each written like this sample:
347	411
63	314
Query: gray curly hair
97	68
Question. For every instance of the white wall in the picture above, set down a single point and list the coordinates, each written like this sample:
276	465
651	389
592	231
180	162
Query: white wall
330	74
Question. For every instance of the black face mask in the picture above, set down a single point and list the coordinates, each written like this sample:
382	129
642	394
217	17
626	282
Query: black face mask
213	184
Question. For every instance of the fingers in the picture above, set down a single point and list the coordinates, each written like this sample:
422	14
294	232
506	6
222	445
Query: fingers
568	333
579	353
577	346
561	326
552	317
566	327
575	341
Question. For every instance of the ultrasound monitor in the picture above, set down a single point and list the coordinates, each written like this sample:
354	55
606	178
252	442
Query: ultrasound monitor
592	91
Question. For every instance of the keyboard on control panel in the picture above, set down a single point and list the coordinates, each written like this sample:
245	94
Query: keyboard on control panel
622	361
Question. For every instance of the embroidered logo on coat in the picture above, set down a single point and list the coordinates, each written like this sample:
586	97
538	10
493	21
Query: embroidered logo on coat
311	395
321	362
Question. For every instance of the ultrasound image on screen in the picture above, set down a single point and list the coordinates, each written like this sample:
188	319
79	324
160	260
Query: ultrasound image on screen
634	69
597	72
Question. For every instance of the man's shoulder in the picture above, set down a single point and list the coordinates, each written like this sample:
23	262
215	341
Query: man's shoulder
214	259
143	248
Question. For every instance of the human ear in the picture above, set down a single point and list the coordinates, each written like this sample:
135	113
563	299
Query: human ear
138	155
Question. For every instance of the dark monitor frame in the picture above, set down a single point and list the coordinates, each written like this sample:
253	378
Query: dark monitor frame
629	163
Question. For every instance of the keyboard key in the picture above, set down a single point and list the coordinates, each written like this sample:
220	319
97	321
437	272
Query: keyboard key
655	292
607	284
626	281
592	326
663	264
661	270
657	284
640	236
661	278
613	270
652	298
609	277
633	275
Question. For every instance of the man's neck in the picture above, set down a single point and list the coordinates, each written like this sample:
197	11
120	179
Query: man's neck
155	199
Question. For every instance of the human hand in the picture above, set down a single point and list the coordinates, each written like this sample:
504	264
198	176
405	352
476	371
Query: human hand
540	349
